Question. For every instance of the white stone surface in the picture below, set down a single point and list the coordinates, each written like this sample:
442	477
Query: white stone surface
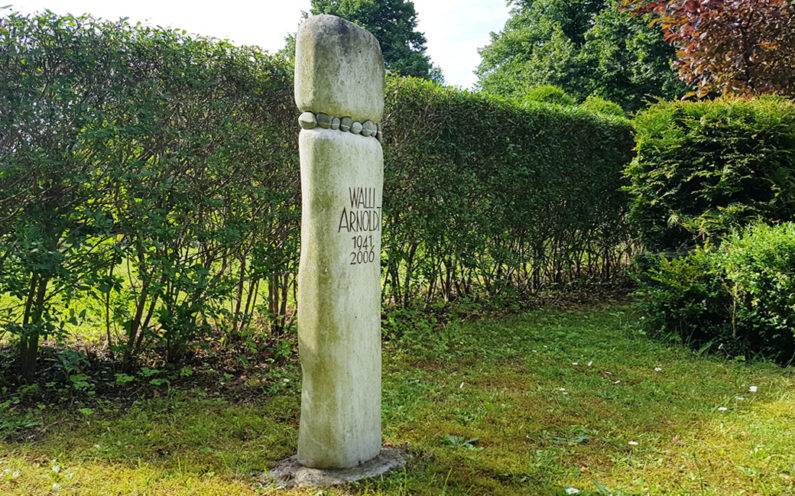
339	69
339	298
339	73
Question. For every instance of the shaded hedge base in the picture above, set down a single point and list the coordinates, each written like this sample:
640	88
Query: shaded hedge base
241	373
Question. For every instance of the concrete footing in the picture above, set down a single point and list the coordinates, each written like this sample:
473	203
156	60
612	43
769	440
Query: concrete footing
290	473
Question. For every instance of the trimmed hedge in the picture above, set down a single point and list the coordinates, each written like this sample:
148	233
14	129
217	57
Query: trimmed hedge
739	298
482	195
704	168
154	177
598	104
147	151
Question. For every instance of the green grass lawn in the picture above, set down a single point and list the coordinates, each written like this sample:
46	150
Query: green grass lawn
530	404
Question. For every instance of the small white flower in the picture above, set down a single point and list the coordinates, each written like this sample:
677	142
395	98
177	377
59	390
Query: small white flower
461	386
590	363
575	363
753	389
632	443
561	389
96	446
616	382
535	351
15	474
55	485
739	398
658	369
56	468
572	490
286	380
722	408
545	346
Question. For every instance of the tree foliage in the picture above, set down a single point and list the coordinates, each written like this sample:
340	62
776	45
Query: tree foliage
585	47
627	61
740	47
533	49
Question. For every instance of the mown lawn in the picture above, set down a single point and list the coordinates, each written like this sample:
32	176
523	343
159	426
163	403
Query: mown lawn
537	403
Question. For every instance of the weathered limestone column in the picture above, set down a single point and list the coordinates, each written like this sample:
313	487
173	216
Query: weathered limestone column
339	87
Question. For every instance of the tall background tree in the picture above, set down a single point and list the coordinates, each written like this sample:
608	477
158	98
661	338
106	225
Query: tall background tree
394	24
740	47
627	61
584	46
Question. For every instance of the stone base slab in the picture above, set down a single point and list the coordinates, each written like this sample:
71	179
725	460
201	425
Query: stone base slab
289	473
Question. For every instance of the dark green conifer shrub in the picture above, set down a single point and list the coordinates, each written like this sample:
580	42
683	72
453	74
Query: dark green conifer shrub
705	168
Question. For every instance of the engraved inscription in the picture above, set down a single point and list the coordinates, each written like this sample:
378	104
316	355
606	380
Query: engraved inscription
363	249
362	215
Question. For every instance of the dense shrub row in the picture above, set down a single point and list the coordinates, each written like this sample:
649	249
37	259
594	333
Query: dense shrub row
150	187
738	298
487	197
704	168
147	177
703	171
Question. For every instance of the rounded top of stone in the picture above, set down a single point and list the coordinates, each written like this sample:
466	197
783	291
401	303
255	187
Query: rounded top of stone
339	69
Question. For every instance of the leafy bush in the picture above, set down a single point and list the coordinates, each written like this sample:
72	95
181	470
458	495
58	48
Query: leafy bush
684	297
739	298
598	104
704	168
483	196
143	150
548	93
759	266
49	225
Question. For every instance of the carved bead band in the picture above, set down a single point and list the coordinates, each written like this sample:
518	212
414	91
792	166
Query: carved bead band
310	120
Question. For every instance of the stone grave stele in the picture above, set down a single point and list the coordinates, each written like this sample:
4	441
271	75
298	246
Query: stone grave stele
339	88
